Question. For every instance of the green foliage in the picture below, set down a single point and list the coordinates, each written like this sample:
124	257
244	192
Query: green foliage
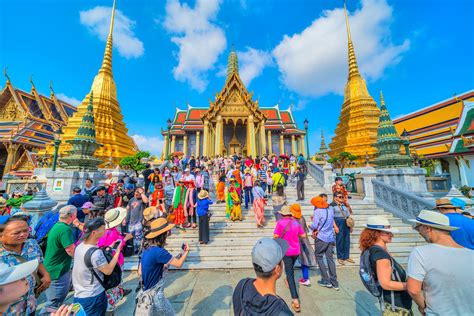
342	160
134	162
465	190
428	165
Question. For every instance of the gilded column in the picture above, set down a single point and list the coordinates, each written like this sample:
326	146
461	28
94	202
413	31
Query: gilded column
218	138
251	128
166	146
300	143
12	150
282	145
205	150
263	146
173	143
293	145
198	145
185	145
270	149
211	141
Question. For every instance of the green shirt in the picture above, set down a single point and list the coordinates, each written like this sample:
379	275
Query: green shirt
56	259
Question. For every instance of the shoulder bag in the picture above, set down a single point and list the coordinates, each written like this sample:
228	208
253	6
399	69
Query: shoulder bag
349	220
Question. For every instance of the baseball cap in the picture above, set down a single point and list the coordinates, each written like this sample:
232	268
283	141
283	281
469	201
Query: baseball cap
92	225
269	252
68	210
9	274
101	188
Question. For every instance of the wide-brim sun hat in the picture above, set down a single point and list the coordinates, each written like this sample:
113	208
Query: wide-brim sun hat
149	213
9	274
285	211
433	219
380	223
115	217
444	203
158	227
296	210
203	194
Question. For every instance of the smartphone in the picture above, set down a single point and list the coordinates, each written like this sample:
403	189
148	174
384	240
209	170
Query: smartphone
116	244
183	246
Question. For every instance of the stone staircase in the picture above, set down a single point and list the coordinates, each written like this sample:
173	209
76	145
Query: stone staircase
231	242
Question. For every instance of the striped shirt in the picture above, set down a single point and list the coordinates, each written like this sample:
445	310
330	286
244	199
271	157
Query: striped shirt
262	175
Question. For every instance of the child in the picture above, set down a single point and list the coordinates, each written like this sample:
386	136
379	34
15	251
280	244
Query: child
233	199
179	198
307	257
158	194
203	212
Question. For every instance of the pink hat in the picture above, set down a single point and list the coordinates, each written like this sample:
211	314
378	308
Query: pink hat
87	205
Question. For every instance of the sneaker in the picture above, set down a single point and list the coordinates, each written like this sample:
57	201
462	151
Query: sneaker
336	287
324	284
304	282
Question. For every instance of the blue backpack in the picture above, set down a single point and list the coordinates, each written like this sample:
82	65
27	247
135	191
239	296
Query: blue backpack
44	226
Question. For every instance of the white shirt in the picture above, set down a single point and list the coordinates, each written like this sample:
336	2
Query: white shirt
447	274
81	275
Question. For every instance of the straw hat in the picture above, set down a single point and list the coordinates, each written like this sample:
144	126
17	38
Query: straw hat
115	216
247	170
158	227
433	219
380	223
296	210
285	210
149	213
203	194
444	203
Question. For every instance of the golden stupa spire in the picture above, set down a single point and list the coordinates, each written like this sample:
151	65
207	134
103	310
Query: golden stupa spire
107	62
353	68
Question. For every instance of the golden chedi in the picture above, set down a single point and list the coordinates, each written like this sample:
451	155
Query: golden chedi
356	131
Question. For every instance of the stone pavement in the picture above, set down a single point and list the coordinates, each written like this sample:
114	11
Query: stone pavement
209	292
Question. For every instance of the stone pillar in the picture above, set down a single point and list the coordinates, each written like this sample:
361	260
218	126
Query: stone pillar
205	145
303	146
198	145
12	149
263	146
166	149
212	139
185	145
293	145
328	178
270	149
251	137
173	143
282	144
300	145
219	135
368	174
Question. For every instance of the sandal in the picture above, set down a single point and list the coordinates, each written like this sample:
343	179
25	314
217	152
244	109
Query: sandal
341	262
296	308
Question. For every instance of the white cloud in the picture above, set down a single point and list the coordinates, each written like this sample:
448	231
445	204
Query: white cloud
149	143
314	62
71	100
200	41
97	20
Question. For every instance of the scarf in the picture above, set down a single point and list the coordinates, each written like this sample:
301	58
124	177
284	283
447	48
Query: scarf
179	196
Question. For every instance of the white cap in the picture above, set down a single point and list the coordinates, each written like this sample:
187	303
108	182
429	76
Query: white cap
9	274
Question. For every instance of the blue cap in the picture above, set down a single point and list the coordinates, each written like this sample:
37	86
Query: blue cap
4	218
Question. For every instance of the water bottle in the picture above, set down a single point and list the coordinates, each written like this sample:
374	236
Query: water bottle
365	275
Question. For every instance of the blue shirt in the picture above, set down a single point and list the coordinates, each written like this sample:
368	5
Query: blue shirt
323	222
153	261
203	206
78	201
465	234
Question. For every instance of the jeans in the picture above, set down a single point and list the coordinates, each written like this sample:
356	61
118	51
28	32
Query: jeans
204	228
93	306
270	187
321	249
300	190
192	218
248	196
264	186
305	271
343	239
57	292
289	262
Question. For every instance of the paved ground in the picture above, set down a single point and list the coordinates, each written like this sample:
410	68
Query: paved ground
209	292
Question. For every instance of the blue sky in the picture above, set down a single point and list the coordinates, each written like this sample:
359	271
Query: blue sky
167	53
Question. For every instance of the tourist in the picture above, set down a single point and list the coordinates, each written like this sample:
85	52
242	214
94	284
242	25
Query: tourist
58	257
343	232
127	194
290	230
300	177
221	186
3	206
248	185
190	204
203	204
77	199
262	177
307	257
88	290
16	248
199	180
157	195
323	235
89	189
269	181
192	163
259	204
179	203
113	218
278	179
146	176
440	276
237	175
340	187
465	234
389	274
103	200
155	260
175	174
233	208
169	191
135	216
258	296
278	200
206	178
188	176
14	283
154	178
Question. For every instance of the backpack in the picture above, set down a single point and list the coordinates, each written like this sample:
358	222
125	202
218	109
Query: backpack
43	227
109	281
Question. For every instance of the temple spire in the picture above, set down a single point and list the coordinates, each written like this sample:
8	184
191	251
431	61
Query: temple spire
232	63
386	128
353	68
323	149
87	128
107	61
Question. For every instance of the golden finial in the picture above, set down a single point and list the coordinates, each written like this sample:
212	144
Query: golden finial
51	87
353	68
382	101
107	62
32	83
6	74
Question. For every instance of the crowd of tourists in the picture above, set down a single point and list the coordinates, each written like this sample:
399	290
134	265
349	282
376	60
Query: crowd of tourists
81	245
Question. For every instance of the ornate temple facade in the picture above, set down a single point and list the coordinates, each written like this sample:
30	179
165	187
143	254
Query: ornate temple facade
111	131
234	124
28	121
356	131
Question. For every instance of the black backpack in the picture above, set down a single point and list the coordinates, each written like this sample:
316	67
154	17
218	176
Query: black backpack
109	281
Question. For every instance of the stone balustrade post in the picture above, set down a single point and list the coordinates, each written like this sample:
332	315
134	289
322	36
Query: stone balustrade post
368	174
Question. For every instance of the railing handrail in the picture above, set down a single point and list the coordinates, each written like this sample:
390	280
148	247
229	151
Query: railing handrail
315	168
405	193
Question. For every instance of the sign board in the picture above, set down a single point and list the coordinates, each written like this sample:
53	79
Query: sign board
58	185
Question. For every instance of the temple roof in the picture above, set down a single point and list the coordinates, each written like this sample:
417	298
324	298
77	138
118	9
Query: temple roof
463	138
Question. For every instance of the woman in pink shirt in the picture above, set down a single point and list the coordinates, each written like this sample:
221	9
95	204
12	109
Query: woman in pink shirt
290	230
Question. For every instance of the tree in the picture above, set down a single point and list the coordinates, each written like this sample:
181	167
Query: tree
134	162
342	160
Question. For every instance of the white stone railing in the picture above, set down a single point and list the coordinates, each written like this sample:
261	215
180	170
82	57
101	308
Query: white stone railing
402	203
323	175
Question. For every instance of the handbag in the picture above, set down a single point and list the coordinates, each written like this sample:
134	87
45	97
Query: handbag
349	220
314	234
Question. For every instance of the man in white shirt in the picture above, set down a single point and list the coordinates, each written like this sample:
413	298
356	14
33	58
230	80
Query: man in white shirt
440	274
188	176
